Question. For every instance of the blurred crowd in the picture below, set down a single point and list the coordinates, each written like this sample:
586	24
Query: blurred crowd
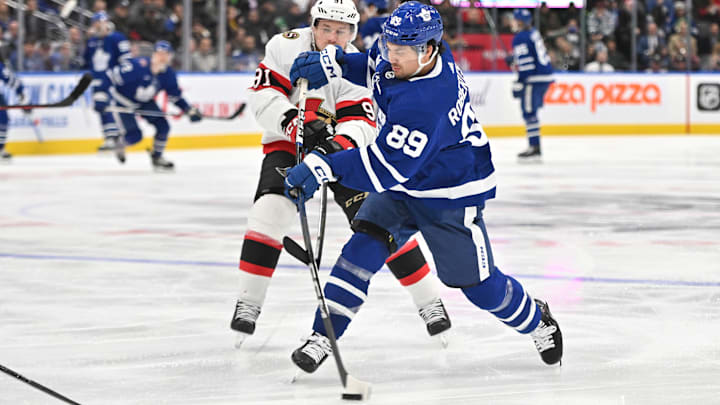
660	37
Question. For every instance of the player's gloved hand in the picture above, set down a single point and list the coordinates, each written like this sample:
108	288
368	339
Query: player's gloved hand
318	67
509	60
517	89
194	114
22	100
100	106
304	179
334	144
314	128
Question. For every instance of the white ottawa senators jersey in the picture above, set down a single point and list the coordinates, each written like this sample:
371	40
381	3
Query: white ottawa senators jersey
345	105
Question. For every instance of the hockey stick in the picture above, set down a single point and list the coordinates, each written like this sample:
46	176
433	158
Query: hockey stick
79	89
354	388
37	385
149	113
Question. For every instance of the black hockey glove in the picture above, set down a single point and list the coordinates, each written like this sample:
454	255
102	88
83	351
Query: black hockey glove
315	130
335	144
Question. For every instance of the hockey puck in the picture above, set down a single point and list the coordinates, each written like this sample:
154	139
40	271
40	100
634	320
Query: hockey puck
352	397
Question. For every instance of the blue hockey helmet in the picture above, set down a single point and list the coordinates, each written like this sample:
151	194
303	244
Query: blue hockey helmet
413	23
523	15
163	46
99	16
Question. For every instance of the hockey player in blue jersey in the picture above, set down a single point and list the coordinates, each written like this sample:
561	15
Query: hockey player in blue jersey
105	49
429	170
534	77
10	82
372	28
134	84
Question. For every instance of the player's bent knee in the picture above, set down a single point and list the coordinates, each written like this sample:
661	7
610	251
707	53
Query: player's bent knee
134	136
489	293
376	232
272	215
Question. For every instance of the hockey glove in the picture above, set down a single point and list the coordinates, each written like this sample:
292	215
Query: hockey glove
319	68
335	144
517	89
314	129
194	114
306	177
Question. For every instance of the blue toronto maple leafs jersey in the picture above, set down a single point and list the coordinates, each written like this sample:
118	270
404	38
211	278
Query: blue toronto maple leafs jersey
531	58
132	83
430	146
102	54
10	81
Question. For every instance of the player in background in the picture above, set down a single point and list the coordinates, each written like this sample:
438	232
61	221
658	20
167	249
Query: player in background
10	82
340	116
429	170
377	14
106	48
134	84
534	75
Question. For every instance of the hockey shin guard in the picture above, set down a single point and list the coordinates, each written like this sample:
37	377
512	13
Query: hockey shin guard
411	269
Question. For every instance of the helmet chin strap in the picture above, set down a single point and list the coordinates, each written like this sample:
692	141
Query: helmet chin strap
422	65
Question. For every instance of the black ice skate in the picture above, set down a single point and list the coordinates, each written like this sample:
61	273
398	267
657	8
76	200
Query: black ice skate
435	317
5	157
530	155
311	355
547	336
160	164
243	321
244	318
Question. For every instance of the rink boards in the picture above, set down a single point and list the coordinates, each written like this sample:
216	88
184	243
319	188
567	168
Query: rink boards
576	104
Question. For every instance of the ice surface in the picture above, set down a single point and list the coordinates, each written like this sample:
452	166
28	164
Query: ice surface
117	284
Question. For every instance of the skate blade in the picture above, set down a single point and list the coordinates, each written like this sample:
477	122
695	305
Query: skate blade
240	339
530	160
295	376
442	339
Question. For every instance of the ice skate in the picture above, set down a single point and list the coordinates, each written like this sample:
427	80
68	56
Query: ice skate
160	164
5	157
243	321
547	336
530	155
119	149
312	353
108	144
435	317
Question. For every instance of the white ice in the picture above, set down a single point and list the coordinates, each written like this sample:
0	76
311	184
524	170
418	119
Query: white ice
117	284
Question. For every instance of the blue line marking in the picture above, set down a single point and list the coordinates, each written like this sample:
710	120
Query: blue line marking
583	279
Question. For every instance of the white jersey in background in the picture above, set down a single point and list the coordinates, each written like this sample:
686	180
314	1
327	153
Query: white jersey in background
342	103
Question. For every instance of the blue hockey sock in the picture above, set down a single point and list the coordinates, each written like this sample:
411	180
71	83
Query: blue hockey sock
346	288
506	298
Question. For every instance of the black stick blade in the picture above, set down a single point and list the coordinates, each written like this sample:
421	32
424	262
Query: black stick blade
296	250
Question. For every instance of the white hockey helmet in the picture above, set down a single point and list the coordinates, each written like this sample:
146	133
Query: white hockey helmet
336	10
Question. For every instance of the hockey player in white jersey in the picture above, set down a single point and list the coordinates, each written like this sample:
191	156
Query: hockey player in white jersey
338	117
429	170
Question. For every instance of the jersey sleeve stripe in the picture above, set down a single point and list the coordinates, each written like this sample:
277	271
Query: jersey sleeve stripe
285	146
468	189
353	110
277	82
369	170
393	172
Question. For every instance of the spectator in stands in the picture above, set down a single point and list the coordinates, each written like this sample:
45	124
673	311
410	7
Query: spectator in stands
678	49
5	16
34	26
99	5
121	17
712	64
623	33
550	24
248	57
474	21
600	22
204	59
658	64
173	25
566	55
63	59
710	12
600	64
150	26
615	58
651	44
